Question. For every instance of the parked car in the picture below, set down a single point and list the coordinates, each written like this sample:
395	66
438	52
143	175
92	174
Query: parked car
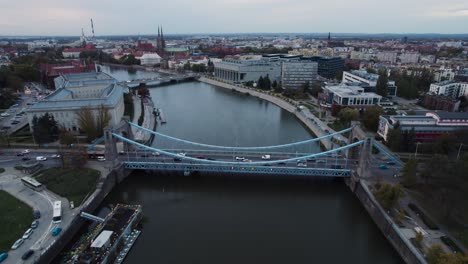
17	244
56	231
35	224
101	159
27	254
27	234
3	256
36	214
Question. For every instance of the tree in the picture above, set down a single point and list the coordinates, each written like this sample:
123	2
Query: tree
65	137
370	70
87	123
274	85
187	66
371	117
388	195
382	84
347	115
45	129
267	83
409	172
260	83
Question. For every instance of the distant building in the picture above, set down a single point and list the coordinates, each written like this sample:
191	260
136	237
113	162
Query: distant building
409	57
150	59
426	127
328	67
387	56
75	91
439	102
240	71
50	71
449	88
350	96
367	80
295	74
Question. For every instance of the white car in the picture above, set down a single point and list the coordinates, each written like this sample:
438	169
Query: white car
247	160
5	114
27	234
155	154
266	157
41	158
26	151
182	154
101	159
301	164
55	156
240	158
17	244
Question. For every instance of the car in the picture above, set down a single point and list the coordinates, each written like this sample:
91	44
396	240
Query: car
311	159
391	163
36	214
25	158
383	167
27	234
35	224
55	156
321	161
182	154
201	157
27	254
246	160
56	231
144	155
240	158
177	159
266	157
41	158
327	131
210	159
4	114
17	244
267	165
121	152
26	151
19	154
101	159
338	167
3	256
281	163
155	154
301	164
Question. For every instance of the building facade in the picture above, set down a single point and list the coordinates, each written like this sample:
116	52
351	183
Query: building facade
239	71
440	102
426	127
350	96
76	91
328	67
450	89
367	80
295	74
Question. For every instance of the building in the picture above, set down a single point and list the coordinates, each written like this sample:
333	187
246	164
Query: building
240	71
51	71
387	56
427	127
160	42
449	88
367	80
294	74
150	59
350	96
409	57
76	91
72	53
440	102
328	67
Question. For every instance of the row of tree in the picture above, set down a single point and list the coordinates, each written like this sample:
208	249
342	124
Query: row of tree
410	86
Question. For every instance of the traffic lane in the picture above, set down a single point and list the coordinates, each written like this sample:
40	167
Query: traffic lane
35	200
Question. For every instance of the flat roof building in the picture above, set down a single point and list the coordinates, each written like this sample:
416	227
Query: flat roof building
367	81
294	74
451	89
76	91
350	96
239	71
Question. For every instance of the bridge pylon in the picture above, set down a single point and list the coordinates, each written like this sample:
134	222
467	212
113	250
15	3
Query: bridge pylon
362	153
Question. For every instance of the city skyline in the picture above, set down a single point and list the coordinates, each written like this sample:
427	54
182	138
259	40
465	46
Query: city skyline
52	17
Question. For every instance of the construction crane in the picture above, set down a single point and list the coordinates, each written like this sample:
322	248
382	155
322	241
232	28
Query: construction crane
92	27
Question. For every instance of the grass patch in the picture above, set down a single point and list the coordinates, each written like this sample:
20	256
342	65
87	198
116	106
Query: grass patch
427	221
2	170
16	217
74	184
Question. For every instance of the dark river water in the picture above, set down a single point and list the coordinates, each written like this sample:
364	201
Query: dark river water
238	219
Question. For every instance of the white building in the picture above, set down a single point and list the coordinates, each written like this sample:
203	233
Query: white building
150	59
247	70
387	56
449	88
76	91
367	81
409	57
350	96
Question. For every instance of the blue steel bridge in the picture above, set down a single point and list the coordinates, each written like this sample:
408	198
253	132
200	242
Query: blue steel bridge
295	158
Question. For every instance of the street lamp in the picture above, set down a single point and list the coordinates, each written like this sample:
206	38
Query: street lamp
416	152
459	149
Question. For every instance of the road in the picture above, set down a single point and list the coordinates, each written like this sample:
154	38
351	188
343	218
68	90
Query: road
10	181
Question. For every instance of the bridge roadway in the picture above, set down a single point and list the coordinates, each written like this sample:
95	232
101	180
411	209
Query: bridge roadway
155	81
321	166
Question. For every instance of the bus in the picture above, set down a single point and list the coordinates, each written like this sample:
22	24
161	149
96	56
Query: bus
32	183
57	217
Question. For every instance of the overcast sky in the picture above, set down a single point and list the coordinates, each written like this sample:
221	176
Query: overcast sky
115	17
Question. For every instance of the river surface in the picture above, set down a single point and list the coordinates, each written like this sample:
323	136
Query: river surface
220	219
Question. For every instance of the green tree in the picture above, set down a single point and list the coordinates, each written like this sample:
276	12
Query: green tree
382	84
66	137
347	115
274	85
45	129
370	70
187	66
87	123
371	117
394	138
409	172
129	60
260	83
388	195
267	83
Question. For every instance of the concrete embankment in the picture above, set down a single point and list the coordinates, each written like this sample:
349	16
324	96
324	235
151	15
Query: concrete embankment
385	223
104	187
277	101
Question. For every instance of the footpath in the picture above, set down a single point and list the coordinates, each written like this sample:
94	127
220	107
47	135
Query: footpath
149	120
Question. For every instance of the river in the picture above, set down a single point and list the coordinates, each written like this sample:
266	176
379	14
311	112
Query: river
238	219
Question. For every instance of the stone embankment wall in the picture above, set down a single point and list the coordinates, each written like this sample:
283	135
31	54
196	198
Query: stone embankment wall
277	101
103	188
388	227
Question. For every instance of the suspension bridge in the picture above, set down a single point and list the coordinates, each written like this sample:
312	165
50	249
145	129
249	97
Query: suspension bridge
297	158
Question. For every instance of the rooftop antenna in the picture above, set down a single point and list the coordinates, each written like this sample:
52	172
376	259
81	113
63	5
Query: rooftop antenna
92	27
